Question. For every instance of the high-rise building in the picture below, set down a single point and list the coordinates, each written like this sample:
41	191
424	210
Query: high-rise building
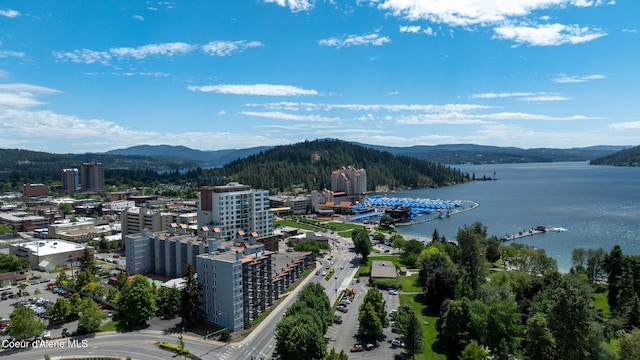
136	219
70	180
92	176
351	181
236	210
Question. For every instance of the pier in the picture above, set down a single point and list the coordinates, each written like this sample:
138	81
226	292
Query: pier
533	231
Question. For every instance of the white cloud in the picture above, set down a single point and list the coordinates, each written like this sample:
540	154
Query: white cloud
410	29
547	34
141	52
500	95
473	12
256	89
294	5
8	53
630	30
540	98
631	125
226	48
578	79
217	48
355	40
22	95
138	17
294	106
526	116
290	117
9	13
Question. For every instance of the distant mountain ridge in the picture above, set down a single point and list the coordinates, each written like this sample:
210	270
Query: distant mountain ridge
444	154
625	157
211	158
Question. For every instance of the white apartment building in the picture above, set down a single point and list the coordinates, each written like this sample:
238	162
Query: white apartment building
236	210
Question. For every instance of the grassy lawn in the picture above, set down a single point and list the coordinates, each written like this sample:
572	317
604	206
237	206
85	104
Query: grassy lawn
410	283
338	226
428	319
600	302
346	233
294	224
117	323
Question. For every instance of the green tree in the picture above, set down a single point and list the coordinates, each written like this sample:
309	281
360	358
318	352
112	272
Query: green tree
25	324
66	208
402	319
429	264
88	262
375	298
413	338
572	318
11	262
59	311
333	355
103	245
362	243
629	345
456	332
410	252
613	267
138	300
369	321
91	316
440	286
299	336
473	351
190	297
84	278
540	341
595	264
169	300
314	297
472	259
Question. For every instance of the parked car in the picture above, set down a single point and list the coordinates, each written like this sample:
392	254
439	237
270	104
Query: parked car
400	357
357	348
337	320
66	332
397	343
369	346
342	309
392	291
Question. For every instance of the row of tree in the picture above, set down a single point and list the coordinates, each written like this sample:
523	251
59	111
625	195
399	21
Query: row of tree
300	333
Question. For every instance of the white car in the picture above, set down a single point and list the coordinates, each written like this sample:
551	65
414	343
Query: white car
323	273
397	343
393	292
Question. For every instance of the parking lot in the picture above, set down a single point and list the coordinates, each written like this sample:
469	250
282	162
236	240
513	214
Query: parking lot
343	336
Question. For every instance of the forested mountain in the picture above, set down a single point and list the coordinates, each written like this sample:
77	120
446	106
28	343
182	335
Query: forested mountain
444	154
308	165
482	154
211	158
625	157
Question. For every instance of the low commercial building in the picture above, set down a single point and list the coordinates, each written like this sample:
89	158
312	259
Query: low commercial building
23	220
383	270
56	252
76	231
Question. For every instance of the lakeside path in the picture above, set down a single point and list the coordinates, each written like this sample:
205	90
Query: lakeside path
456	211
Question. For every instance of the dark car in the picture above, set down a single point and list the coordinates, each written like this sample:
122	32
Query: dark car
400	357
337	320
342	309
66	332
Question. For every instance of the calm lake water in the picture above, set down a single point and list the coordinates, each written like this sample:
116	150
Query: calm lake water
598	205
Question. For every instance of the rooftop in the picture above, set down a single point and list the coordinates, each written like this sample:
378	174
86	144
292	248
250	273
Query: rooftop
50	246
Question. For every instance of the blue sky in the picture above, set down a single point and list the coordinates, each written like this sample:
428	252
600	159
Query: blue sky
84	76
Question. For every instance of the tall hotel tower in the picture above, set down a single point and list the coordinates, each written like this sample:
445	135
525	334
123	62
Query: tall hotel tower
92	176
